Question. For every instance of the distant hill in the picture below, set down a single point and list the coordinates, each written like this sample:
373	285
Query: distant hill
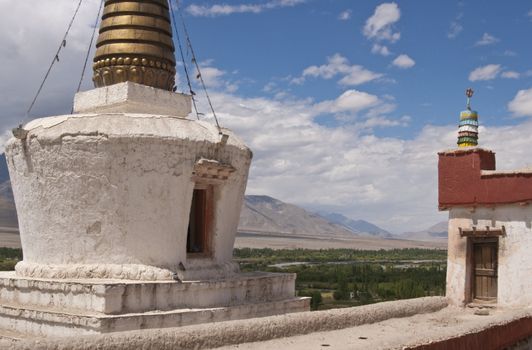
270	215
437	232
267	214
357	226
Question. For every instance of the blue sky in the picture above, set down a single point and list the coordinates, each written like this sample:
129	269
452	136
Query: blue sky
344	103
444	38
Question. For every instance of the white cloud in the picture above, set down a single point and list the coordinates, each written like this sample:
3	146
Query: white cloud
509	53
221	10
215	78
488	72
404	62
521	105
380	25
510	74
295	157
27	47
381	121
380	49
351	101
346	169
269	87
339	65
381	110
212	76
487	39
455	29
344	15
358	75
224	9
530	14
231	87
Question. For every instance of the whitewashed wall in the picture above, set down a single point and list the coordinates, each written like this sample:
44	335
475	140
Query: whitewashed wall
515	252
108	195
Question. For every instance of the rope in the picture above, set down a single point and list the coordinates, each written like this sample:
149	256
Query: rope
192	93
195	61
55	59
90	46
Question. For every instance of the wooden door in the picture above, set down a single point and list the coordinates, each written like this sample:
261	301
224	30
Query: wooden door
200	222
485	271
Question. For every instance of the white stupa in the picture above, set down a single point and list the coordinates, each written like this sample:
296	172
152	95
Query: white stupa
127	209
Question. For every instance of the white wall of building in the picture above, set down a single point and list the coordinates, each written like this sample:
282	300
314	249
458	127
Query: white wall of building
514	256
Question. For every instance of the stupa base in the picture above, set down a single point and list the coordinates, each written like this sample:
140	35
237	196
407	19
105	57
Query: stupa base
40	307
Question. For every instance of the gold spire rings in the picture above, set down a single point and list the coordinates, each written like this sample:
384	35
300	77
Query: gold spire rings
135	44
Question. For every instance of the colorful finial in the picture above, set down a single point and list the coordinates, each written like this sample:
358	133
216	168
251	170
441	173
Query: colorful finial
468	128
469	93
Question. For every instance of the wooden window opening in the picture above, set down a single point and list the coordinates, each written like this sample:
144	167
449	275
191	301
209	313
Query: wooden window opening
200	221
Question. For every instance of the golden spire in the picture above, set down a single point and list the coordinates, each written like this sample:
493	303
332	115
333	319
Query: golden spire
135	44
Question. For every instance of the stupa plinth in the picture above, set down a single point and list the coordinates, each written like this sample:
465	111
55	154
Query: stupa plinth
128	210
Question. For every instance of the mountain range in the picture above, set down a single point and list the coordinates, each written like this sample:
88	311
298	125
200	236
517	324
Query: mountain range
357	226
266	214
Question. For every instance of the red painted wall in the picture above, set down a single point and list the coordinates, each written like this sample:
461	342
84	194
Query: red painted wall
497	337
460	182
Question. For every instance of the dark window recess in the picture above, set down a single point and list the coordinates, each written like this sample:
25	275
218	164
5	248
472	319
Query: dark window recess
198	227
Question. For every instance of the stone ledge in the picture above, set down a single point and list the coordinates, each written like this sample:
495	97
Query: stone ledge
48	322
124	296
210	336
129	97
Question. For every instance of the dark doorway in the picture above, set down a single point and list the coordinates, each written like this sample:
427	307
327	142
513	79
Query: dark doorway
485	256
198	237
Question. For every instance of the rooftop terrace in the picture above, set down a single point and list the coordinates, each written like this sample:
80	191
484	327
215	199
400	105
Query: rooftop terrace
423	323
